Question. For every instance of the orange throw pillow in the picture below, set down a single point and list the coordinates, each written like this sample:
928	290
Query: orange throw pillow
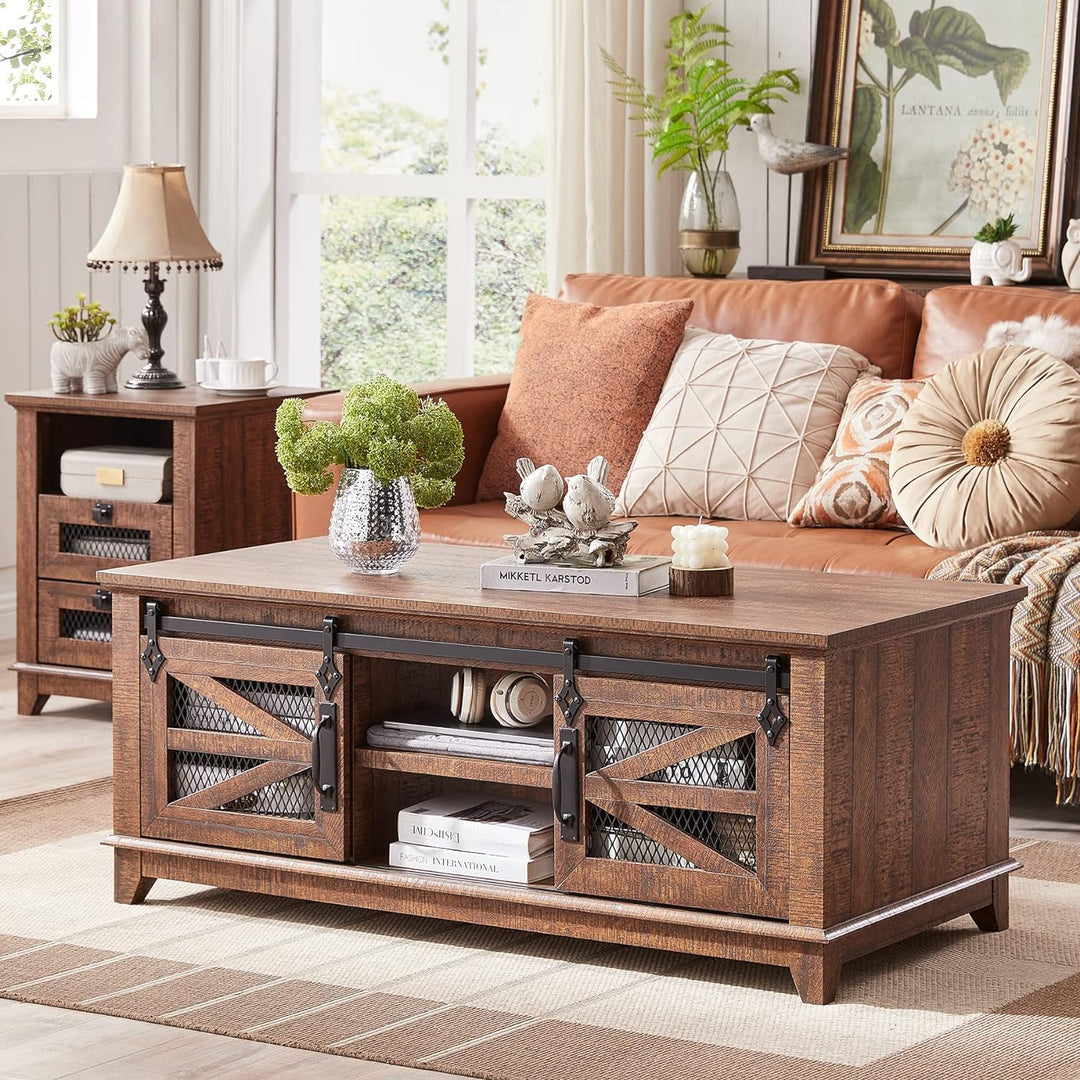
585	382
852	485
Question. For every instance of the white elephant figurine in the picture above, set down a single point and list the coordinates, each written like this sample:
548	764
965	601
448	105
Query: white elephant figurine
1002	263
1070	255
90	366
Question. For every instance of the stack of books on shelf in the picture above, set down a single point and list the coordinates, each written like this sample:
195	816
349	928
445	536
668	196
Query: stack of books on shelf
472	834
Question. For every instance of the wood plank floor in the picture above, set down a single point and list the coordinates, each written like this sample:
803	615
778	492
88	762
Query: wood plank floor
71	742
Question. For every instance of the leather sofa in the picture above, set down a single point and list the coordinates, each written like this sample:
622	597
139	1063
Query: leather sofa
904	335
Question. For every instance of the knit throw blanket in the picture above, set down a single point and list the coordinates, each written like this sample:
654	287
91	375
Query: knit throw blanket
1044	647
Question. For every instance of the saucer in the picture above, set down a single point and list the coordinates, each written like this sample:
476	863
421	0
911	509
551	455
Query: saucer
239	391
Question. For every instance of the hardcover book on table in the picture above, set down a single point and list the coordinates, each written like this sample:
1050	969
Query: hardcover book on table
478	822
636	575
472	864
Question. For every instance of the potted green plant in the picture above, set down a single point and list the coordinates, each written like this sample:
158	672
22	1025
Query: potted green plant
398	452
689	124
996	257
87	352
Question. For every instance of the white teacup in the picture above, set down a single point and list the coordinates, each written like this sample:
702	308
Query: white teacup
237	373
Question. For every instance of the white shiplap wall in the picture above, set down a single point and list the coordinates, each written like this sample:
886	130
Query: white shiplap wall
51	214
767	34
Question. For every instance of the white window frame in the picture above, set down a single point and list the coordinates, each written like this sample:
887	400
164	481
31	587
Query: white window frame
300	182
57	108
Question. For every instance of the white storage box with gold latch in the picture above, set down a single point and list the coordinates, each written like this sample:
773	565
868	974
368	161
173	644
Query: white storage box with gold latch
118	473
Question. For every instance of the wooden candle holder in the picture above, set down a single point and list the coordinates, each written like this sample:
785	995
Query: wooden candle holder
719	582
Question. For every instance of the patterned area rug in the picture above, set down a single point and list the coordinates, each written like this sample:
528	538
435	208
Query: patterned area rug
951	1004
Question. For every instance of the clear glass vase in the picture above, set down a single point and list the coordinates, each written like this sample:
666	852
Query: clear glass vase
709	225
375	526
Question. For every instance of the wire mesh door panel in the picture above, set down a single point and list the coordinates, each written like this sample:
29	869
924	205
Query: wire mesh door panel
683	800
79	537
231	729
74	624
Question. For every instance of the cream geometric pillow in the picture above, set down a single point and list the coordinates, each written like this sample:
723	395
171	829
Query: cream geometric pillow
741	427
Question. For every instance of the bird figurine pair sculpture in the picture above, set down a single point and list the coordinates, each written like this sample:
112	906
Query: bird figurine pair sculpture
581	531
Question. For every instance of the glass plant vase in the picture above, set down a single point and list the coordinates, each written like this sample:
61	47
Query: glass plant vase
375	526
709	226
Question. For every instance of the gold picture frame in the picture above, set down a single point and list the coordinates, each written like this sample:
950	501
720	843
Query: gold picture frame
953	115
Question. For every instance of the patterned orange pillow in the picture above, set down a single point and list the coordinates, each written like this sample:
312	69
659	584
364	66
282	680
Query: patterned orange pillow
585	382
852	485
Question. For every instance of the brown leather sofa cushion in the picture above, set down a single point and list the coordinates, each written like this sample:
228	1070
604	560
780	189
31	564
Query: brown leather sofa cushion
876	318
956	318
772	544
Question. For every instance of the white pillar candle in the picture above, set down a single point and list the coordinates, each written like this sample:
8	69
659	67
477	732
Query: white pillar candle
699	547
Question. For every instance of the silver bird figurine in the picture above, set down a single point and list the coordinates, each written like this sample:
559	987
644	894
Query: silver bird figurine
588	503
787	156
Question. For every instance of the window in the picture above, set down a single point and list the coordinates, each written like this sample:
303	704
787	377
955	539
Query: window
419	205
31	67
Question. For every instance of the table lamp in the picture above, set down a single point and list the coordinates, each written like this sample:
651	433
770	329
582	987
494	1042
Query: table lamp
154	223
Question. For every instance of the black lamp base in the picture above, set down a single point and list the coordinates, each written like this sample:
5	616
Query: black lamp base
152	376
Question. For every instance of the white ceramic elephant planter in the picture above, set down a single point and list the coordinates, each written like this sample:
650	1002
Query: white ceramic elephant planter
1002	263
1070	255
91	366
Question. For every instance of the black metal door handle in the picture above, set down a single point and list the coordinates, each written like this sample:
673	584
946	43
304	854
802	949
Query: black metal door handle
564	787
102	512
102	600
324	756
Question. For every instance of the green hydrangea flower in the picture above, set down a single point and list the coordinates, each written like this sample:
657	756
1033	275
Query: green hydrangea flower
386	428
306	453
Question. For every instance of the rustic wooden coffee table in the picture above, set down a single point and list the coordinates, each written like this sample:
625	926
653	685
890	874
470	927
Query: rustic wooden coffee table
796	775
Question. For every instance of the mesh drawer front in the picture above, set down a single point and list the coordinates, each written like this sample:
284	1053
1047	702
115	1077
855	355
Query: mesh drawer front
293	705
86	625
292	797
611	739
105	542
731	835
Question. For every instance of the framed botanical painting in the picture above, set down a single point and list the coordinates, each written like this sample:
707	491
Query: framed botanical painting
953	116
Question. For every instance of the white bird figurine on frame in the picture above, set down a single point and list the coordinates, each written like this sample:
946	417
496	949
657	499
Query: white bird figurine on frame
786	156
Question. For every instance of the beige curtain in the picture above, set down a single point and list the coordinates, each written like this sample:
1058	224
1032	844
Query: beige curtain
607	210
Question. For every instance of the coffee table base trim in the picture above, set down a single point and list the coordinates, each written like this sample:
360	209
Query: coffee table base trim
814	956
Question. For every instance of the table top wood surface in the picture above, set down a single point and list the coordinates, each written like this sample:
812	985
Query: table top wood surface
187	401
773	607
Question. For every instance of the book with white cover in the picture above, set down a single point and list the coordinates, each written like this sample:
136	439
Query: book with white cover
637	575
477	822
471	864
387	738
440	721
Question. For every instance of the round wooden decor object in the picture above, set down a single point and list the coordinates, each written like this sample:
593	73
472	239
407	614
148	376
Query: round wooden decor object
719	582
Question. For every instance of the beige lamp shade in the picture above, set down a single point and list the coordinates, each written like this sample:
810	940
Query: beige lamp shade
154	221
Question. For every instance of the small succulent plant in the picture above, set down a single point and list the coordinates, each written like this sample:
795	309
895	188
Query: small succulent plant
82	322
385	427
993	232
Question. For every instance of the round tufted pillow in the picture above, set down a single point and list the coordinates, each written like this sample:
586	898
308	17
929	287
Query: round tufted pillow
989	449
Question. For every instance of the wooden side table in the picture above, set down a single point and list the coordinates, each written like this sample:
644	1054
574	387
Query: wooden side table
228	492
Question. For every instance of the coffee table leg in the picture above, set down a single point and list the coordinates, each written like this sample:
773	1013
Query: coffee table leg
129	885
817	975
995	916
